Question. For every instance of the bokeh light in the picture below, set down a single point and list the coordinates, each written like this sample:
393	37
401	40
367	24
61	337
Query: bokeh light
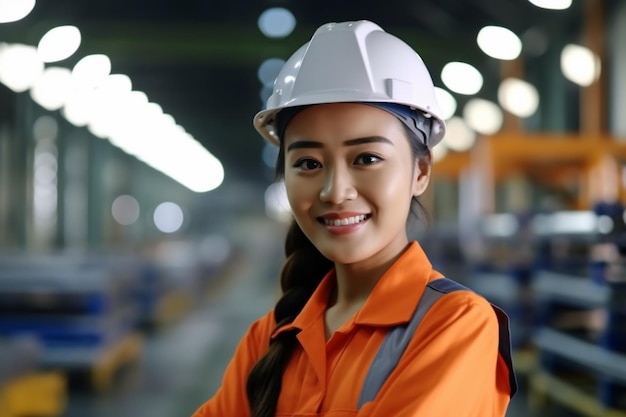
499	42
168	217
125	210
276	22
14	10
59	43
462	78
483	116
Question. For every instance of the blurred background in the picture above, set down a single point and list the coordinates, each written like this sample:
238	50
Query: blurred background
141	228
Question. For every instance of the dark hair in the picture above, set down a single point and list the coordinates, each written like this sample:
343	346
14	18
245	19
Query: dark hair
302	272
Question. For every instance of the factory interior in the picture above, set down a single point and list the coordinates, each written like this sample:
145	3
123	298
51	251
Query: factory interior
142	228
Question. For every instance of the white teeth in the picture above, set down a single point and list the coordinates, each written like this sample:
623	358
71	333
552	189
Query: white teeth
346	221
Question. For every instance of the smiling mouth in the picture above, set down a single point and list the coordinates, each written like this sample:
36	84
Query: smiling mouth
347	221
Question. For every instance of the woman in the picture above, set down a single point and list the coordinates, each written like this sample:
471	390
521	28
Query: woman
354	115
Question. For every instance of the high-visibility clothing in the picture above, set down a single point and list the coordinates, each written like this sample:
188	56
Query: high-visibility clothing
397	339
451	367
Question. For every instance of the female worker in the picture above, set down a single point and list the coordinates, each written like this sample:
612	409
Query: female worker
364	327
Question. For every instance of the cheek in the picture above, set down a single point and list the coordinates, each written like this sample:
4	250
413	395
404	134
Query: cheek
299	193
394	184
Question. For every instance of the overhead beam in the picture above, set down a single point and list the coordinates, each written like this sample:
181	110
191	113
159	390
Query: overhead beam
195	43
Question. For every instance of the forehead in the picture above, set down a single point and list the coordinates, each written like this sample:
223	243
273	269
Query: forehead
343	121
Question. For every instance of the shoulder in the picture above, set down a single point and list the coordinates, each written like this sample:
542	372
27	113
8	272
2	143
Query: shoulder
258	334
462	304
263	326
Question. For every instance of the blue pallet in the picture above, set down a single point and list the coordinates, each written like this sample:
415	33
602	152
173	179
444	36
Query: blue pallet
54	303
614	339
70	280
66	331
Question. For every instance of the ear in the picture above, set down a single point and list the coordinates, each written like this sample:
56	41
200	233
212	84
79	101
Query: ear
422	174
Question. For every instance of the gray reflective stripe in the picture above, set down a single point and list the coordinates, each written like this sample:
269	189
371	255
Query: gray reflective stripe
398	338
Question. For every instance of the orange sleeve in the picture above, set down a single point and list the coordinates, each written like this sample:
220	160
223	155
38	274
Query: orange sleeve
231	399
449	368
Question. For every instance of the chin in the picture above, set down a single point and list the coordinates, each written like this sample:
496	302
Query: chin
344	256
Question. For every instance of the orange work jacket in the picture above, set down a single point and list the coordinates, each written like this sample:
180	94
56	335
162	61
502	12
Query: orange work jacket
451	367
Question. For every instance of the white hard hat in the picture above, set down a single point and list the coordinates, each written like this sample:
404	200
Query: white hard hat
353	62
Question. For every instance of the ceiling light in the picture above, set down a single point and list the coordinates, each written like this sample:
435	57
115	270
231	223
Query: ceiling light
580	65
446	101
169	149
192	165
483	116
90	96
78	107
20	66
552	4
85	100
459	136
499	42
518	97
59	43
51	90
14	10
117	84
106	113
168	217
276	22
462	78
91	70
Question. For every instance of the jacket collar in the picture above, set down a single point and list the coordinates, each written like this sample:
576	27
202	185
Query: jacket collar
394	298
391	302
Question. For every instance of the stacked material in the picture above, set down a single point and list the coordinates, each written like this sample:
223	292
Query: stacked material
79	312
26	390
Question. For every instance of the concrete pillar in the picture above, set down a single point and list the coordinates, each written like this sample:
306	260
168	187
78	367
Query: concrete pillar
617	71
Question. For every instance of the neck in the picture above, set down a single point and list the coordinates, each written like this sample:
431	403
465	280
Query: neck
356	281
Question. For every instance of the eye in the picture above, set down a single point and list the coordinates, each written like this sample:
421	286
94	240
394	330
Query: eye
307	164
367	159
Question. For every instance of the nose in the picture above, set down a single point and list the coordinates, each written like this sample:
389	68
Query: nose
338	187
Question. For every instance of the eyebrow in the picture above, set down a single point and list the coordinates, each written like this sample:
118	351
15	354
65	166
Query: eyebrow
301	144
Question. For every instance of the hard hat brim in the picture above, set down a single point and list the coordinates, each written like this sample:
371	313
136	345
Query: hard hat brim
263	120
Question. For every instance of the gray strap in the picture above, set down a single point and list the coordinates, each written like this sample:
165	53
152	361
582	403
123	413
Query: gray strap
396	341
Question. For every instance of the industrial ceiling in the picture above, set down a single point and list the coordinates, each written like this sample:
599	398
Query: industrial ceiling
198	58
